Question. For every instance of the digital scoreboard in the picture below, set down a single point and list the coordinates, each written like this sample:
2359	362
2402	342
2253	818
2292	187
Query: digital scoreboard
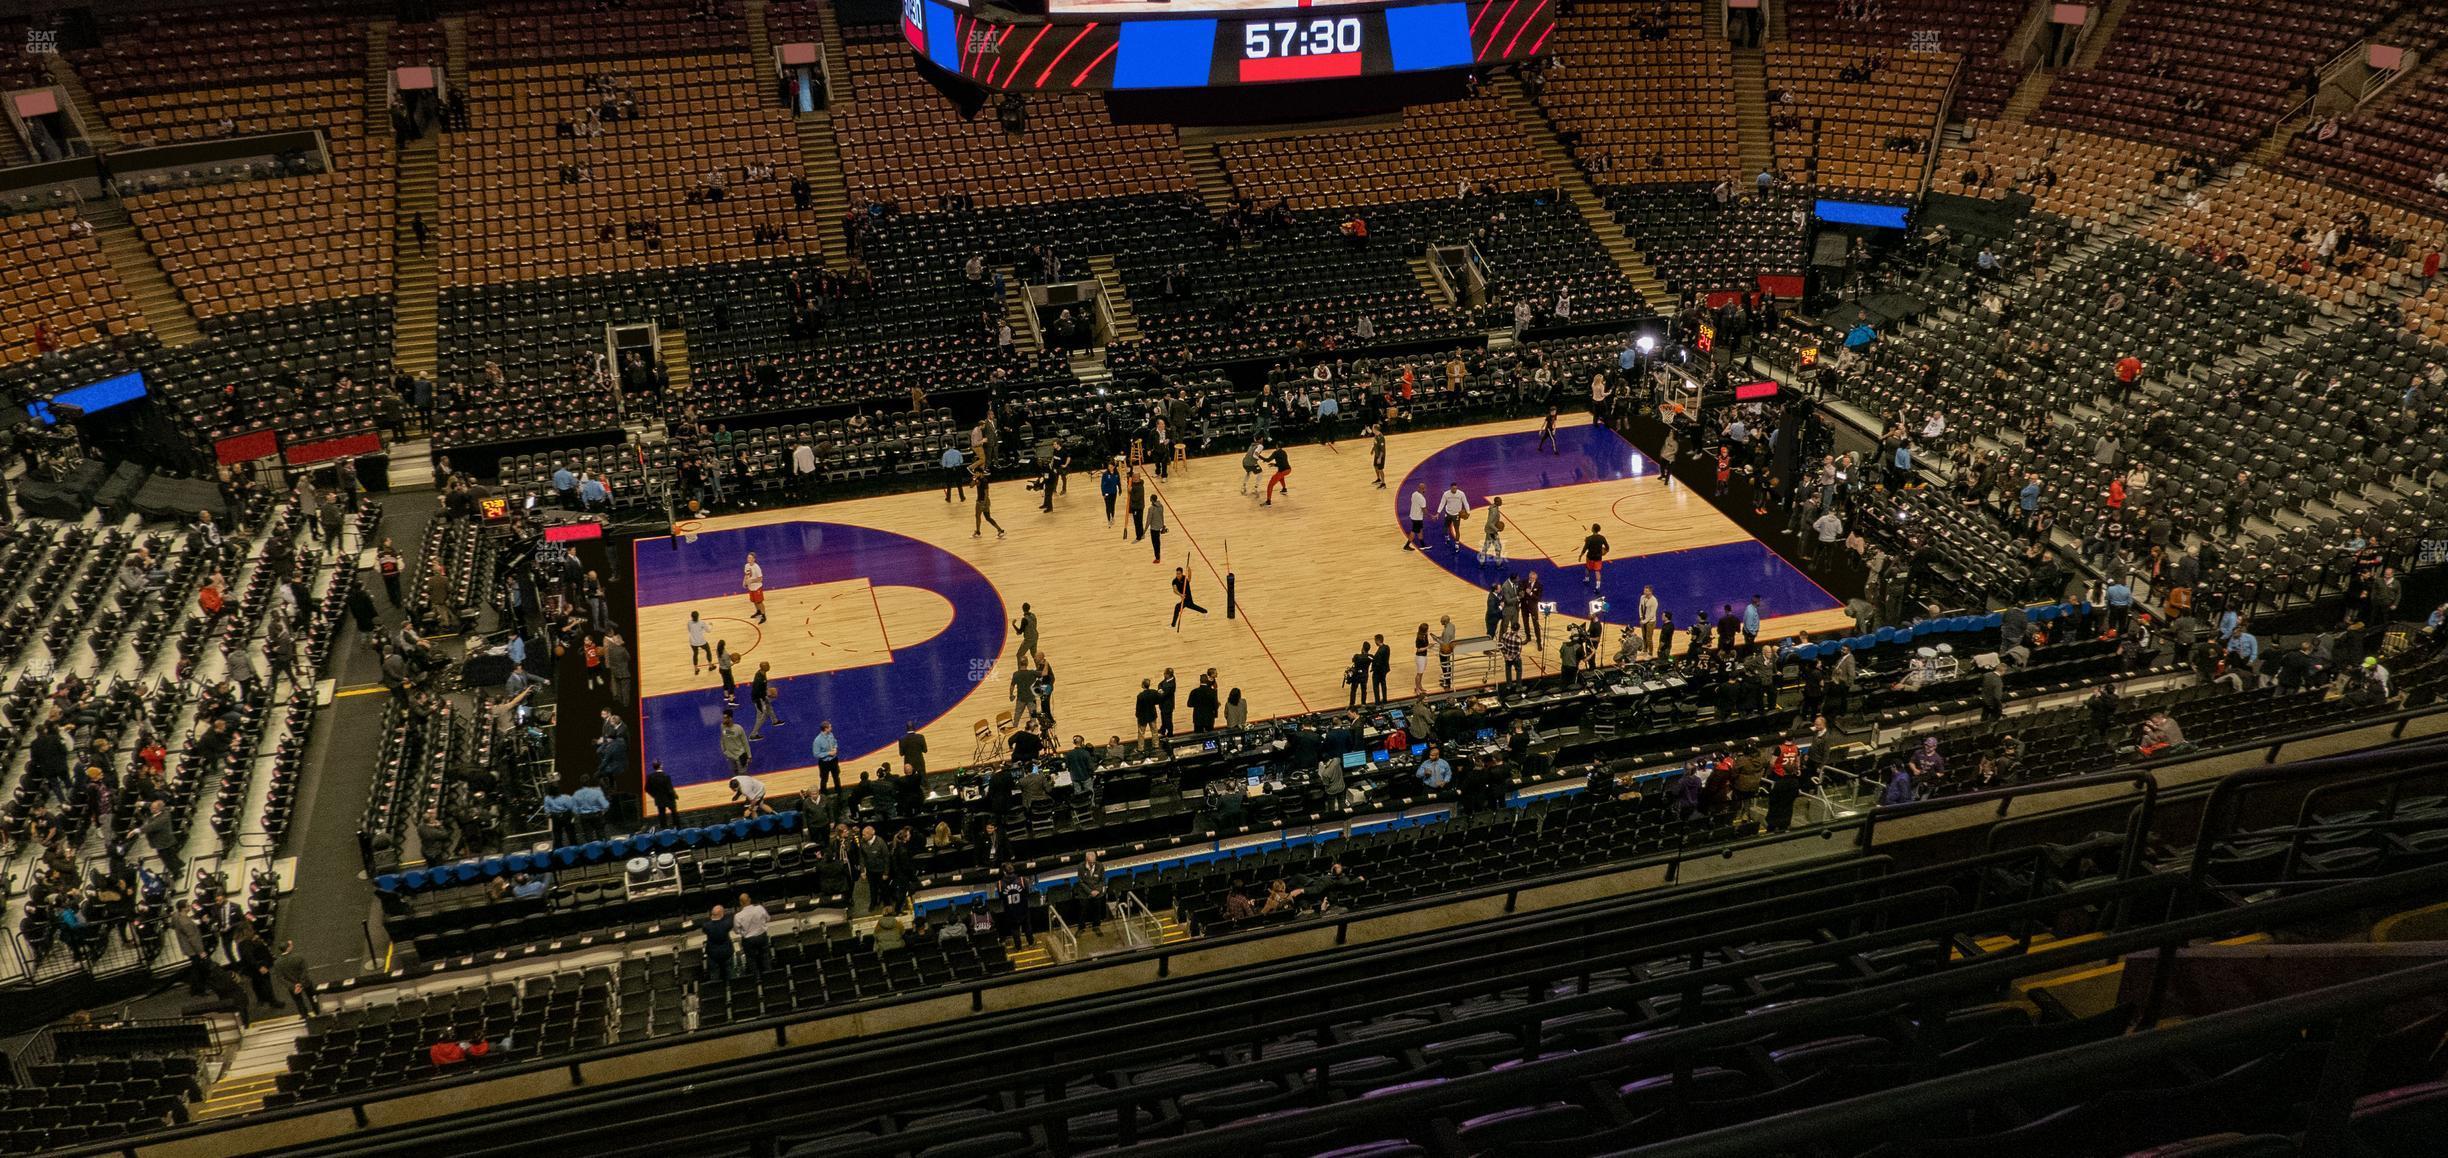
1132	45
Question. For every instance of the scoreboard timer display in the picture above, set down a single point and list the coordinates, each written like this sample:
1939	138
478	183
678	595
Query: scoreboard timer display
1223	45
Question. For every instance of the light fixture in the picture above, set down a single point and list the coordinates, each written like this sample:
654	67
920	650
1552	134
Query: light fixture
1646	344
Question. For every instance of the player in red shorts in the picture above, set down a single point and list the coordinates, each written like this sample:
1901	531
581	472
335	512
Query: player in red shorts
752	577
1593	555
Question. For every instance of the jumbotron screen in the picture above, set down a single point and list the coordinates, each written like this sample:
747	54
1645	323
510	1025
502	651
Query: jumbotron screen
1193	44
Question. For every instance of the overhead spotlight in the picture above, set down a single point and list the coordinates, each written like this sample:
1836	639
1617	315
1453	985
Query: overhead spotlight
1646	344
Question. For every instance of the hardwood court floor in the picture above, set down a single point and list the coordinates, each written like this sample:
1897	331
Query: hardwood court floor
885	609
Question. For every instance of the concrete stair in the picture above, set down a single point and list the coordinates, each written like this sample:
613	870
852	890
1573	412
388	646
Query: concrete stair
254	1068
98	131
414	277
1016	312
454	48
820	162
760	52
415	274
1170	930
1214	188
673	348
1751	134
378	75
2274	145
1125	319
412	464
2101	34
1429	282
1089	369
2028	94
1585	197
132	260
836	54
231	1097
13	149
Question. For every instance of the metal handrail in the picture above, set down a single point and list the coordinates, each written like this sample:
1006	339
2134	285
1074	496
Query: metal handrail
2219	810
1670	1048
1140	928
1061	943
1946	106
1204	1037
1163	955
2353	1008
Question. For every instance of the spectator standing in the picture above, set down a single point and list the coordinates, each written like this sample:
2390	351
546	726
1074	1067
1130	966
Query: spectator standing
735	744
666	797
190	939
826	749
750	924
719	965
289	977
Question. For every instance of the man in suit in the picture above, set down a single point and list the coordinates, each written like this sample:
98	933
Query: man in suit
1380	662
913	748
1204	699
1166	688
1143	713
666	798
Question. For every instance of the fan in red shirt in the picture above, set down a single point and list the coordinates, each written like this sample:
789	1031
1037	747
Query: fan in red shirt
2128	369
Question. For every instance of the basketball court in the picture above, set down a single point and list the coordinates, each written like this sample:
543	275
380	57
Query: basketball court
885	612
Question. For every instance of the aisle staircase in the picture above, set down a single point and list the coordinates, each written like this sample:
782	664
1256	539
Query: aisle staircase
1751	133
1169	931
12	150
133	262
98	131
1214	188
1430	283
414	278
2274	145
672	347
819	152
415	274
254	1069
836	56
1016	312
378	76
1585	197
454	49
1776	21
760	54
2101	34
2028	95
1125	319
820	162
